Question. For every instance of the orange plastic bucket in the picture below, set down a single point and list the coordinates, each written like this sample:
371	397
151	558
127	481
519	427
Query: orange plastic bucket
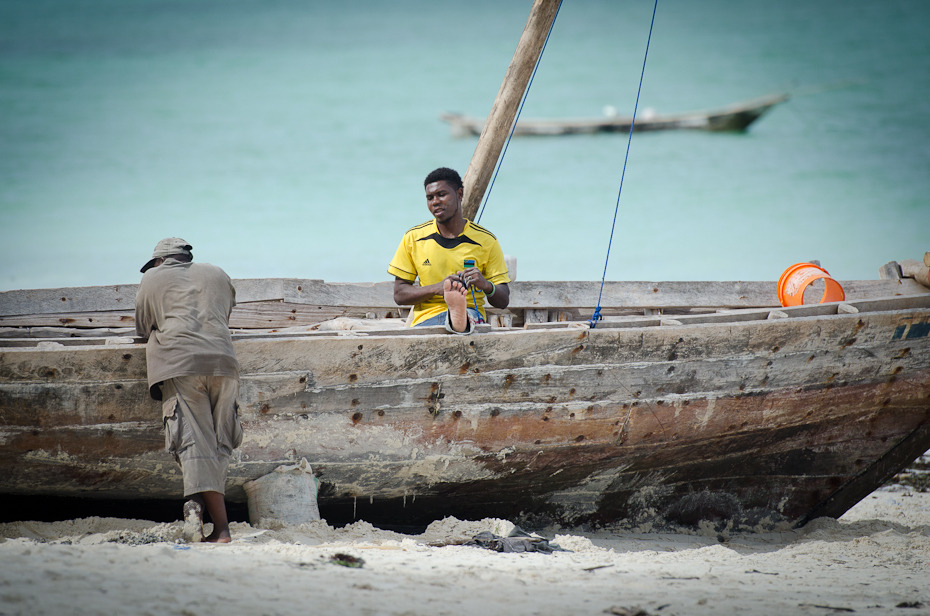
796	280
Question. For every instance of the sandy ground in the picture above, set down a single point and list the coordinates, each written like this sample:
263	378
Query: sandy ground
874	560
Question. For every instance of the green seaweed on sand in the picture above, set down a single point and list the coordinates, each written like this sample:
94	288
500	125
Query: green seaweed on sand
346	560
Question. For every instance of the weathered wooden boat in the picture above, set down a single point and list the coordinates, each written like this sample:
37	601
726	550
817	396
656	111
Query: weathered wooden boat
717	404
733	118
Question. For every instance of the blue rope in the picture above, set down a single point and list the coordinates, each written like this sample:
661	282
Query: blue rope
500	160
597	311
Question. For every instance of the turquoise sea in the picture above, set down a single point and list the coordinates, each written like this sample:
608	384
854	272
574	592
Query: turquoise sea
289	138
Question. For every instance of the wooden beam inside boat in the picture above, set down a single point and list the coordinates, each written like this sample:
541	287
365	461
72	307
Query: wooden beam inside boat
281	303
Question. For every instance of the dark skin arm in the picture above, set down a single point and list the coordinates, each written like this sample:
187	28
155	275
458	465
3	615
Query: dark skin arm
406	294
501	297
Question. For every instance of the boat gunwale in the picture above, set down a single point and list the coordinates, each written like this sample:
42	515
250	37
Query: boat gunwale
901	303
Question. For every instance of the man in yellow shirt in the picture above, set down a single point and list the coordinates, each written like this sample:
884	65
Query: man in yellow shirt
459	264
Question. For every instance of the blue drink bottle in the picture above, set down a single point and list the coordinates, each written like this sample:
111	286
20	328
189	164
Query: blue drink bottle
471	263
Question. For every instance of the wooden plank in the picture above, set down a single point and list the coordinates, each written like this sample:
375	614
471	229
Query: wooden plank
251	315
480	328
284	316
557	325
584	294
904	302
322	293
67	335
68	300
631	323
500	319
908	302
115	297
536	316
68	303
678	294
83	320
265	315
890	271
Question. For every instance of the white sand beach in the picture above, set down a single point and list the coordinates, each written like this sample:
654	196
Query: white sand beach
874	560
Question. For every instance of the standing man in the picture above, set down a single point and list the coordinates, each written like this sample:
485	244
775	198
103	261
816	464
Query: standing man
183	309
458	263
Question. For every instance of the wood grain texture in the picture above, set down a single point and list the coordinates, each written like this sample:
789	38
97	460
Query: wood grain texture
733	417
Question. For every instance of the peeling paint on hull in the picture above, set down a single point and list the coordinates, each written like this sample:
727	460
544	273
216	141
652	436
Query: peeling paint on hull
740	422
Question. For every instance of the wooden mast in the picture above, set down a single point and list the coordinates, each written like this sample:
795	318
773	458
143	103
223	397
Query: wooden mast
502	115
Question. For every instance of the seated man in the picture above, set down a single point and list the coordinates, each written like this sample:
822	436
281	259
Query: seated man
458	263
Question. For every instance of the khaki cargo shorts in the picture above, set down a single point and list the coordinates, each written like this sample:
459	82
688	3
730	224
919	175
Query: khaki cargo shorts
202	428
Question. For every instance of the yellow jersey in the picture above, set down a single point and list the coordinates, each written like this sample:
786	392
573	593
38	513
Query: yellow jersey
426	255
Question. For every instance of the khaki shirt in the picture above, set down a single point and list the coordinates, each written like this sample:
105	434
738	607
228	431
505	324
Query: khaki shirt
183	309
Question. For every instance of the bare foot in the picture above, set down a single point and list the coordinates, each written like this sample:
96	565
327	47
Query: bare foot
222	536
457	301
192	531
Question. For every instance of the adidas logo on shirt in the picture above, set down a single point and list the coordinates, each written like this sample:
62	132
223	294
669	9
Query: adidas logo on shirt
426	262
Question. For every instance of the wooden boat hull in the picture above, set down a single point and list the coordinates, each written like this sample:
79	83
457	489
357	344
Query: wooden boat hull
747	418
735	118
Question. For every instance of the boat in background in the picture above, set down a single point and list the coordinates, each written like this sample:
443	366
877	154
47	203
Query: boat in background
734	118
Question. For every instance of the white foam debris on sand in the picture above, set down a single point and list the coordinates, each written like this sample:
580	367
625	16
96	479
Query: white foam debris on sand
874	560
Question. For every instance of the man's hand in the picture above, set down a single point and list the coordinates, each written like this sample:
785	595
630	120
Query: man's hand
473	277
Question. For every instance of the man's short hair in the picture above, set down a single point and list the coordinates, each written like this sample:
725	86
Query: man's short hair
444	174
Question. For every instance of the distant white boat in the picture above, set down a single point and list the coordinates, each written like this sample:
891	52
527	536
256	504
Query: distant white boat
734	118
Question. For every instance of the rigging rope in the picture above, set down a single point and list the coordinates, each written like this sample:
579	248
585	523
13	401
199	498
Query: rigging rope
597	311
519	111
